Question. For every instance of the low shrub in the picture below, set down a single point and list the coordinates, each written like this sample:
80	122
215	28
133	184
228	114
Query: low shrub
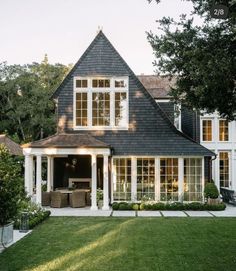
115	206
125	206
36	214
211	191
175	206
135	206
215	207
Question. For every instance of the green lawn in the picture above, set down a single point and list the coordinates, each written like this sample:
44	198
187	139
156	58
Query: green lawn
119	244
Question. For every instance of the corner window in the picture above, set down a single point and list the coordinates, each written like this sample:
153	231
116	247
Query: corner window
223	130
101	103
207	130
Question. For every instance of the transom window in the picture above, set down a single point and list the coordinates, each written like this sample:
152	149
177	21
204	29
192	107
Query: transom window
207	130
224	169
101	103
223	130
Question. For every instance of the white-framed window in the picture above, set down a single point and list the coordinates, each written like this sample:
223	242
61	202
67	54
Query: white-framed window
146	178
121	179
192	179
224	169
105	100
223	130
169	185
206	130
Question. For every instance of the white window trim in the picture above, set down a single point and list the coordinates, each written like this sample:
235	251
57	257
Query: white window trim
219	131
212	130
111	90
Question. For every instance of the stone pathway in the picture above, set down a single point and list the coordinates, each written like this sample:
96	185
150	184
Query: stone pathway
230	211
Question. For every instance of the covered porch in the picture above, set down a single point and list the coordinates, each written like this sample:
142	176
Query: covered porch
73	162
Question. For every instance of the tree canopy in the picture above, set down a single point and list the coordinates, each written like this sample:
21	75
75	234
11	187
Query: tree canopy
202	58
26	111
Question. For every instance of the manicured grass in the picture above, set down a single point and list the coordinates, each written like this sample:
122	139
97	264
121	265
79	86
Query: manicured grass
120	244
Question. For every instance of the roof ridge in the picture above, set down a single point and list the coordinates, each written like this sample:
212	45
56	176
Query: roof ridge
55	93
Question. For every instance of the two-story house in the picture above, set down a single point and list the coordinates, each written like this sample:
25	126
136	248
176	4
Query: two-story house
113	135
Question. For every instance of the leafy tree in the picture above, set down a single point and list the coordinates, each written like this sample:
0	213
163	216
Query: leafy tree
202	58
11	186
26	109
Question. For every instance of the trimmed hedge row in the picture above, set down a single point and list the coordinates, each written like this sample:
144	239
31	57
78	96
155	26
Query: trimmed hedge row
34	219
175	206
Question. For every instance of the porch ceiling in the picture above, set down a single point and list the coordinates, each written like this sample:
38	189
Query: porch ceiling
68	141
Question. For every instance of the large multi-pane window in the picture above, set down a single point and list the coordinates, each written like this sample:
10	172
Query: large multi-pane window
146	178
122	179
224	169
192	179
223	130
169	179
207	130
101	109
107	102
81	109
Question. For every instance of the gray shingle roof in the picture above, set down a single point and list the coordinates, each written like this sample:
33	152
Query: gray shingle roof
12	146
150	131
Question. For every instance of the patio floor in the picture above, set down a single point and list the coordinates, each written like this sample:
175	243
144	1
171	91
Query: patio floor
230	211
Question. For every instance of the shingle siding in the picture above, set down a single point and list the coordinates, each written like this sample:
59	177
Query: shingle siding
149	133
168	108
190	121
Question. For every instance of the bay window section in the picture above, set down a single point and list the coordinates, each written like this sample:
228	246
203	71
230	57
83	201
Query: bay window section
223	130
224	169
120	109
101	109
193	179
169	185
122	179
81	109
146	178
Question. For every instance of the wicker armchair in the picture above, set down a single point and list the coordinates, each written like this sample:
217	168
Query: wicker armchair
58	199
46	198
77	199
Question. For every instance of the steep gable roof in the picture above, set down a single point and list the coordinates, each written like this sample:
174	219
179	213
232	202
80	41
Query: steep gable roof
150	131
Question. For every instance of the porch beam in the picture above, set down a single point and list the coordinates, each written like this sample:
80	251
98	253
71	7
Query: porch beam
38	179
105	183
94	182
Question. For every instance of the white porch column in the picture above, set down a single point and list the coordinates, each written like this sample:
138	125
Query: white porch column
105	183
49	174
181	178
27	174
31	174
157	179
134	178
94	182
39	179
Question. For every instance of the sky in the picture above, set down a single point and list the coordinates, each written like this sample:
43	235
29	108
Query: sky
63	29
